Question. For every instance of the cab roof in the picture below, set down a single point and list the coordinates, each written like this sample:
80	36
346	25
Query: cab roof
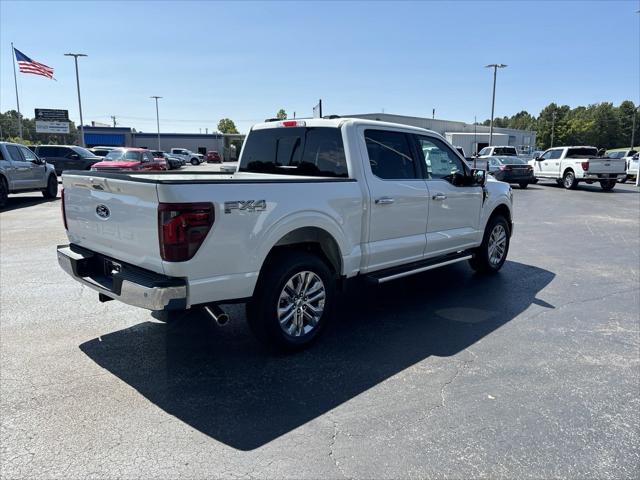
337	123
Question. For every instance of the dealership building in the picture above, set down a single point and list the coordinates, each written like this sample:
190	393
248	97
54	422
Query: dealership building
472	138
128	137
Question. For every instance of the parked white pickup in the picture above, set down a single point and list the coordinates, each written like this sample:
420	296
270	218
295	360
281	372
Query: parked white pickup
313	203
570	165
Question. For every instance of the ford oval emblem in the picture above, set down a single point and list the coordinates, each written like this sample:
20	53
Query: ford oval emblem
103	211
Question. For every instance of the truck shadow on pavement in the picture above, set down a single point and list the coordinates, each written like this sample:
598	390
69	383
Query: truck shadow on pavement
222	383
14	203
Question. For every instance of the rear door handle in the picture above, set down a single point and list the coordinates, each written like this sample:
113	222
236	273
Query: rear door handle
384	201
439	196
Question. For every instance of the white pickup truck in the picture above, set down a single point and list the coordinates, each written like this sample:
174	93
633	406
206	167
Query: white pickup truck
313	203
187	155
570	165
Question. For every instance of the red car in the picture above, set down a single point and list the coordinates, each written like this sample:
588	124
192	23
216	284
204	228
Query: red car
213	157
135	159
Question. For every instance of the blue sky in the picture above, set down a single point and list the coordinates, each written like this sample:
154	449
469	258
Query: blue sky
246	60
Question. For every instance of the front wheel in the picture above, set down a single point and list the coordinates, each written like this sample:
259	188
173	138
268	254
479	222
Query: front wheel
194	161
607	185
52	188
492	253
293	300
523	185
569	180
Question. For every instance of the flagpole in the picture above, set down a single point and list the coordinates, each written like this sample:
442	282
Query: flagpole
15	81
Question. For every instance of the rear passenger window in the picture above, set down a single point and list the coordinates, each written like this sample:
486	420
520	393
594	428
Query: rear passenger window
313	151
390	155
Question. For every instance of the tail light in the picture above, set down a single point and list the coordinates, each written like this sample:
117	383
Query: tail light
64	212
585	165
182	227
293	123
505	168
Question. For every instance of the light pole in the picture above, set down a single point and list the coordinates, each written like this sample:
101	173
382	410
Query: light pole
633	140
75	58
157	118
553	126
495	67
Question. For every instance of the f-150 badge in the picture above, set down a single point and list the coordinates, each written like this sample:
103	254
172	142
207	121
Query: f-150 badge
245	206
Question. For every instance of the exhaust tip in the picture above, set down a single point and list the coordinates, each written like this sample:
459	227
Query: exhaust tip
217	314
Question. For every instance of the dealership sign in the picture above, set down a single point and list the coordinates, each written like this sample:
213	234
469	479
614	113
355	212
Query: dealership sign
51	115
51	127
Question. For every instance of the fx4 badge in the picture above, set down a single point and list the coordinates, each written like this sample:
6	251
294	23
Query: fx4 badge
245	206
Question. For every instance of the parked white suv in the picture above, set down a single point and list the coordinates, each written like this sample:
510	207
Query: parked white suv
313	203
630	157
187	155
570	165
22	171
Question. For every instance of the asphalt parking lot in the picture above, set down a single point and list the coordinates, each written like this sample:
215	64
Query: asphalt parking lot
533	373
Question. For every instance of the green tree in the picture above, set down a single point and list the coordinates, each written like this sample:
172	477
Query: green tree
281	115
226	125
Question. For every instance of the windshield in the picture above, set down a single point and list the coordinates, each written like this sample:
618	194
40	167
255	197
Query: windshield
123	155
83	152
505	151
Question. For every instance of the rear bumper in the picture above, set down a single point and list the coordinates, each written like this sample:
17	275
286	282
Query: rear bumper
601	176
120	281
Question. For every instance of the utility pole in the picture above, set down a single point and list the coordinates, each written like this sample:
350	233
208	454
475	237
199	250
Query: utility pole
553	126
433	113
75	58
495	67
157	118
113	117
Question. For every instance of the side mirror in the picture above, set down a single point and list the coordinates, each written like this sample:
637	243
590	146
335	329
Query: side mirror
478	177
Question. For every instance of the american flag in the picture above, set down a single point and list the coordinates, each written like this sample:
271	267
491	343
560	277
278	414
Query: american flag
31	66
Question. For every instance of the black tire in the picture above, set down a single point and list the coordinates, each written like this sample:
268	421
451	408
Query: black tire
559	181
569	180
523	185
481	262
624	179
52	188
262	309
607	185
4	192
194	161
535	180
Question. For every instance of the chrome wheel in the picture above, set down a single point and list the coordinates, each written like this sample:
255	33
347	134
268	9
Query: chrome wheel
301	304
568	180
497	244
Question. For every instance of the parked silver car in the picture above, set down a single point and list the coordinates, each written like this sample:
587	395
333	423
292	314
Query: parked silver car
22	171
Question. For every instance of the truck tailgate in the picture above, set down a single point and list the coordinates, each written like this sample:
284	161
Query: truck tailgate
606	165
115	217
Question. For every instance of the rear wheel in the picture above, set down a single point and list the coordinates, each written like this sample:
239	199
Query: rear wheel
52	188
4	192
523	184
569	180
492	253
607	185
293	301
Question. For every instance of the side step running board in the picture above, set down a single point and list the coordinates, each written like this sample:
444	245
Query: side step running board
399	272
